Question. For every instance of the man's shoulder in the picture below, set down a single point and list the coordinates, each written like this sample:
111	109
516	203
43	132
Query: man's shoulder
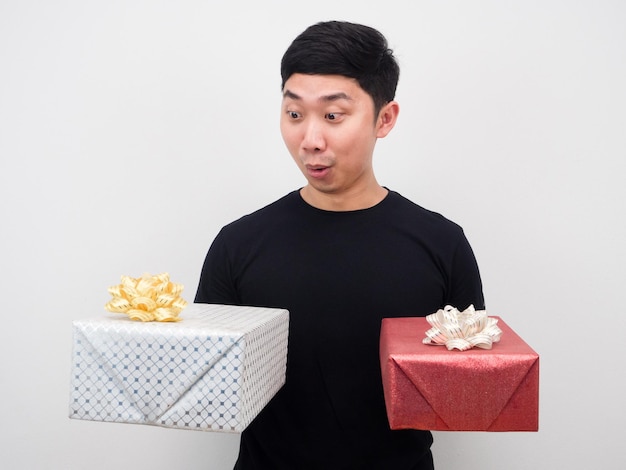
267	214
414	213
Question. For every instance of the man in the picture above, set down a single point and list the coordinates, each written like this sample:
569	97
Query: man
340	254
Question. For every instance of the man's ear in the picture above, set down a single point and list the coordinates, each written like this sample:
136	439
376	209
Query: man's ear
387	118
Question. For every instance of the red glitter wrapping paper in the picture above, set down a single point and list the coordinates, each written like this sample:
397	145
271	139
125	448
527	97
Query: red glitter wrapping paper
429	387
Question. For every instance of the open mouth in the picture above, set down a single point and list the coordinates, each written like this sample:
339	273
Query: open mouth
317	171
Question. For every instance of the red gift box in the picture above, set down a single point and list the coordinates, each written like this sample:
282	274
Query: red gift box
429	387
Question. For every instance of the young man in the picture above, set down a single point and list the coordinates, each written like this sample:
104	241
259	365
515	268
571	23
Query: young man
340	254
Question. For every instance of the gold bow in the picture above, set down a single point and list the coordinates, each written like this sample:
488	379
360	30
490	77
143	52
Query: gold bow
147	298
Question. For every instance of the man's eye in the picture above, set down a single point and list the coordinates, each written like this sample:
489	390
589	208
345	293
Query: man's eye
331	116
293	114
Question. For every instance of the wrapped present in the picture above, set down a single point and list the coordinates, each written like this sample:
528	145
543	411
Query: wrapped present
436	388
214	370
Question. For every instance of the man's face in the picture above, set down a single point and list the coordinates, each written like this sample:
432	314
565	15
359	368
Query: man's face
328	125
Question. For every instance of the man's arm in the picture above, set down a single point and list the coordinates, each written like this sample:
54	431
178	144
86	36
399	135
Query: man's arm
465	285
216	284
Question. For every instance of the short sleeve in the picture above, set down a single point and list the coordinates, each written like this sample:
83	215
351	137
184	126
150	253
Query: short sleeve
216	285
465	285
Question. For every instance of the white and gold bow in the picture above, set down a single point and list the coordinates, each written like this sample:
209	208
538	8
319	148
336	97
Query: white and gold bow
462	330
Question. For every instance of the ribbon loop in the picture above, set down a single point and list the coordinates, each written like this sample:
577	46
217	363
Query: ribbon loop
462	330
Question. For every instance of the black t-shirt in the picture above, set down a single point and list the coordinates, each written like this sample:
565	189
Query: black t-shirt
338	274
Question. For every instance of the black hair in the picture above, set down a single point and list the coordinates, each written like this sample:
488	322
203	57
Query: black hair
348	49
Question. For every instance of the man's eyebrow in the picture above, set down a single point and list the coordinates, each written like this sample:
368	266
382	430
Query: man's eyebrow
291	94
335	97
332	97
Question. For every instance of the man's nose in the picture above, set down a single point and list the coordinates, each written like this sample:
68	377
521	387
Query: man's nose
313	139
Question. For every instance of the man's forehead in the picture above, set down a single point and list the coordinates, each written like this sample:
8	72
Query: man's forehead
326	88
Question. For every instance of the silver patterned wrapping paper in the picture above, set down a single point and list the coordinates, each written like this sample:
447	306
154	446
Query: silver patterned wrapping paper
213	371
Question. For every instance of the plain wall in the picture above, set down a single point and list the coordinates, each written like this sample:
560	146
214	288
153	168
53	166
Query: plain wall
132	131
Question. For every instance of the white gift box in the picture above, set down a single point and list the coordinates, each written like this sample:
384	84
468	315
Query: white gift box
214	370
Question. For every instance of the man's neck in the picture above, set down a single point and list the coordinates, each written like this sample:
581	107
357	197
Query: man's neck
343	202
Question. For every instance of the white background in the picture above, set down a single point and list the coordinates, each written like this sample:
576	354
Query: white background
131	131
